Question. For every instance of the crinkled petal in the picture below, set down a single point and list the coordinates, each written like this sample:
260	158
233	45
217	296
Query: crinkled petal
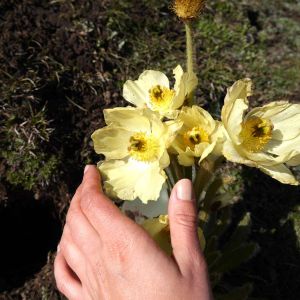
132	179
294	161
112	142
208	150
232	154
197	116
185	83
129	118
165	160
173	127
137	92
179	87
152	78
178	73
281	173
235	104
284	116
150	183
278	147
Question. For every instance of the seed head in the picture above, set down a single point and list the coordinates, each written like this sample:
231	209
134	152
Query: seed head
188	9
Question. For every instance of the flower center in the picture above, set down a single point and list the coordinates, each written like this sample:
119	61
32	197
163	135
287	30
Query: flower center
195	136
160	96
256	133
143	147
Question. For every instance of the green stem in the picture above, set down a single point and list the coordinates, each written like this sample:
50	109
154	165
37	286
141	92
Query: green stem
189	47
204	176
190	57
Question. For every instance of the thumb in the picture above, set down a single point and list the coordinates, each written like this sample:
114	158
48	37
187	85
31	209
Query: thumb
183	226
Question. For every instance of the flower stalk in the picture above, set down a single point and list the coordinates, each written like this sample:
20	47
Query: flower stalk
189	47
189	55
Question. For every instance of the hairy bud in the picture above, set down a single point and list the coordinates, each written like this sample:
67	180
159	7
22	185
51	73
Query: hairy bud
188	9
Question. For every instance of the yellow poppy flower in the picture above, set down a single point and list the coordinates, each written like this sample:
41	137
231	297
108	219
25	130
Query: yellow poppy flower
267	137
197	137
135	146
152	90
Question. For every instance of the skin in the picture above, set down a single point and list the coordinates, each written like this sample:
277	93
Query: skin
104	255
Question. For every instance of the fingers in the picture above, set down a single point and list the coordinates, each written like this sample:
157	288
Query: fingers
91	179
183	227
100	211
72	254
83	233
67	282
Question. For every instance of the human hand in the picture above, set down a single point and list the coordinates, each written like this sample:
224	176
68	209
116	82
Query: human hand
105	255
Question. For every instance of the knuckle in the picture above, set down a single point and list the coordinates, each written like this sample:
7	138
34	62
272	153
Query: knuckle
120	250
61	286
72	216
186	219
87	202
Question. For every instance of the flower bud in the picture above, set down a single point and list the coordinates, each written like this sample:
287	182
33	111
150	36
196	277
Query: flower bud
188	9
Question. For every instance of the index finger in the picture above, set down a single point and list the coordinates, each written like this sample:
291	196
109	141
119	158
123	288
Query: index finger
101	212
91	179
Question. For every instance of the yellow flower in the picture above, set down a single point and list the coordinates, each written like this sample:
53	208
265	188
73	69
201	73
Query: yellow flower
267	137
197	137
152	90
188	9
135	146
159	230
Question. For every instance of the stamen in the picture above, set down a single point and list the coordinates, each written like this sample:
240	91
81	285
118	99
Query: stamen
160	97
143	147
195	136
256	133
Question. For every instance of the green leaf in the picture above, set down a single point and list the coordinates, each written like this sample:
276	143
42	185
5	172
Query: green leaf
232	259
240	234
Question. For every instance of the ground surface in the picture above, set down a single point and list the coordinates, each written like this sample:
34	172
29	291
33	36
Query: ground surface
63	62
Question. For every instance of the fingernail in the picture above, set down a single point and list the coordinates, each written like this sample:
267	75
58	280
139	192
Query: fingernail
184	190
86	168
58	248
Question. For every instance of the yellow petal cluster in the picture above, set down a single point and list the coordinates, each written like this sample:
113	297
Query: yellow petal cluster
134	143
198	136
153	90
266	137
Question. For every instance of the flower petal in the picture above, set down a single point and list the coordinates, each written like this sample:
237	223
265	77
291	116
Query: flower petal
137	92
284	116
112	142
132	179
231	153
179	88
130	118
186	160
197	116
150	183
235	104
278	147
281	173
